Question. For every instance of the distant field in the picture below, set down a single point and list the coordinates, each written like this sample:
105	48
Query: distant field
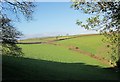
43	39
38	39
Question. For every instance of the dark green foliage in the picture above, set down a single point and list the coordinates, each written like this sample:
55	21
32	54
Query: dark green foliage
11	49
9	37
118	64
105	19
9	33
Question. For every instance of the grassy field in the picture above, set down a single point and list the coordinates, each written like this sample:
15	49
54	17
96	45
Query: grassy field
88	43
58	54
53	62
37	69
92	44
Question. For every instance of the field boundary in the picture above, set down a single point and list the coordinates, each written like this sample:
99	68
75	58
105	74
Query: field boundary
71	37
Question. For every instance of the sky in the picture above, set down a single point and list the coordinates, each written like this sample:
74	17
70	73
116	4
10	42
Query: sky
53	19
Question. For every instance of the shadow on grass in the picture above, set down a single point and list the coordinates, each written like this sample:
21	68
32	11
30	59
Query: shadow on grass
33	69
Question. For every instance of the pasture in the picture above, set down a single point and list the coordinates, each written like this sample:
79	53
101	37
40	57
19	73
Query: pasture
92	44
55	60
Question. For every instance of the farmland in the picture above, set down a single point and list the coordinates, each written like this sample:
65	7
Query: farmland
67	58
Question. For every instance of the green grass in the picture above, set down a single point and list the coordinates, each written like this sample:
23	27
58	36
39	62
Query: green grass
51	62
92	44
34	69
58	54
87	43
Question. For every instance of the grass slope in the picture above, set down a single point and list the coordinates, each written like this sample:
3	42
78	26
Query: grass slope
33	69
58	54
51	62
92	44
